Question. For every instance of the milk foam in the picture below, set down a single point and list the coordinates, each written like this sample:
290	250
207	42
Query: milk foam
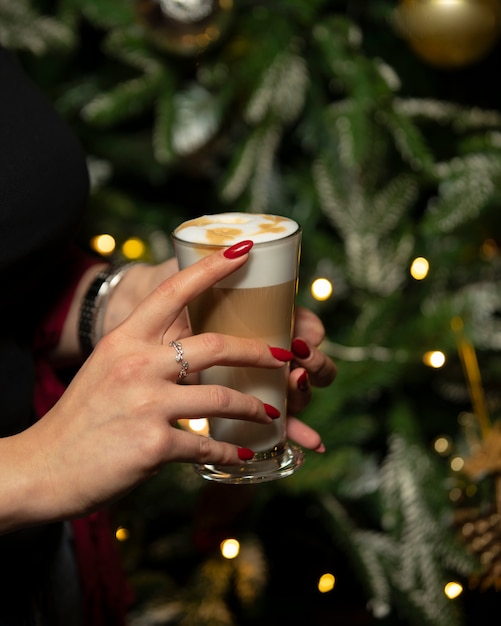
225	229
272	261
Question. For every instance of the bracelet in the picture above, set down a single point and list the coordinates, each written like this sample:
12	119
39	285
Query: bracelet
93	307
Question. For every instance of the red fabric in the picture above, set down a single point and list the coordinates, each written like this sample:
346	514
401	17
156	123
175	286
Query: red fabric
106	594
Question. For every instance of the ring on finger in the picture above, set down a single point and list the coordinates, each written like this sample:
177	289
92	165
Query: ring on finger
178	347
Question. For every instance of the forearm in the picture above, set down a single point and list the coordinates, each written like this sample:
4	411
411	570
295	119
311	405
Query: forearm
24	484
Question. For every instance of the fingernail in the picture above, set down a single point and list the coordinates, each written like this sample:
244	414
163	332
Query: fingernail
281	354
245	454
320	449
303	382
271	411
238	249
300	348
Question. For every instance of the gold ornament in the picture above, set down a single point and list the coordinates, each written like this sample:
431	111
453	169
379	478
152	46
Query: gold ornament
184	27
449	33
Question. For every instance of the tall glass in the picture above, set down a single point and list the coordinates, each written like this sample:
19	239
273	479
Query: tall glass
257	301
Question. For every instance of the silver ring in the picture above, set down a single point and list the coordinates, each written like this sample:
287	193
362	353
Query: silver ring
180	358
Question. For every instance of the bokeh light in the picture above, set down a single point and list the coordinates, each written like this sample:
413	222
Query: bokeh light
419	268
103	244
434	358
457	464
321	289
230	548
122	533
442	445
133	248
326	583
453	590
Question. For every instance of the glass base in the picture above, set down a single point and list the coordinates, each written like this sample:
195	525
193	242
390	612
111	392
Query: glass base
280	462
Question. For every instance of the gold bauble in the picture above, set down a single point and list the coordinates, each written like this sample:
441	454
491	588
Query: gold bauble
449	33
184	27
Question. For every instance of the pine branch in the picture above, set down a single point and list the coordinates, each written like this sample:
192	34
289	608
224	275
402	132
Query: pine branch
466	185
23	28
127	100
281	92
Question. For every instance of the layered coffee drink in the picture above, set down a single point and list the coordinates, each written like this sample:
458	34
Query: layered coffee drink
257	301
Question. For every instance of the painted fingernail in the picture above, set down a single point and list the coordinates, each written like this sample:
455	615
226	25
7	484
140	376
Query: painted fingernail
303	382
238	249
300	348
281	354
271	411
245	454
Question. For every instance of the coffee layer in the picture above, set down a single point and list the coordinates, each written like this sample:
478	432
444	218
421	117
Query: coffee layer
265	313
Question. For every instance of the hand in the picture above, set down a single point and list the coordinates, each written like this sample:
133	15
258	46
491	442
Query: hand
310	367
115	424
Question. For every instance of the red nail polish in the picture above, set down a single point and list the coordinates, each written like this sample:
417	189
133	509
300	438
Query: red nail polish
245	454
281	354
238	249
271	411
300	348
303	383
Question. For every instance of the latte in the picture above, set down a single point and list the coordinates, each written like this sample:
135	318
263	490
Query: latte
256	301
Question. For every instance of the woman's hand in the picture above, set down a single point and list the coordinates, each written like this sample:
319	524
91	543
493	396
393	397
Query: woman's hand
116	423
311	367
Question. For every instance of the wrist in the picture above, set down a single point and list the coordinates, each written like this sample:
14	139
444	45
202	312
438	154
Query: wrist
94	304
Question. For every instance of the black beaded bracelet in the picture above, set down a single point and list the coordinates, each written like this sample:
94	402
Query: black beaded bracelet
90	323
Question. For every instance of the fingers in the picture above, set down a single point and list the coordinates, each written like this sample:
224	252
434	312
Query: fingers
195	401
321	368
208	349
298	398
299	392
160	309
307	324
304	435
190	448
309	334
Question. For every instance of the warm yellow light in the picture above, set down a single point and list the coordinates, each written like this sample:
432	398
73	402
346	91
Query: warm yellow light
200	425
133	248
326	583
104	244
442	445
122	534
230	548
321	289
419	268
453	590
457	464
434	358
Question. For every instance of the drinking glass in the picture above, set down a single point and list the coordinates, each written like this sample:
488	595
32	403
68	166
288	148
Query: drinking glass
257	301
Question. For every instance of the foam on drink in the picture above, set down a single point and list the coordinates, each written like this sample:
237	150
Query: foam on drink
225	229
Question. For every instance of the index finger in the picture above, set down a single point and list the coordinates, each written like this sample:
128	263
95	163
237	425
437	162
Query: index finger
160	309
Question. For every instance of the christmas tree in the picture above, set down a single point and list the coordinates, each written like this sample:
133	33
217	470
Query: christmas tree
378	128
